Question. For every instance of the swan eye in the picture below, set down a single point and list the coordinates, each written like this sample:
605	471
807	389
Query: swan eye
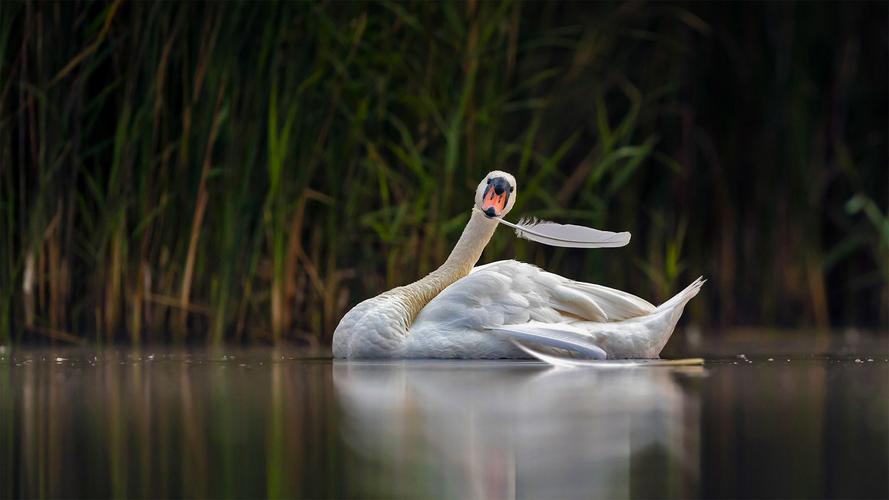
489	181
511	189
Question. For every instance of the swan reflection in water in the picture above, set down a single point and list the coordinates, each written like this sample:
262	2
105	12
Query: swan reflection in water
521	429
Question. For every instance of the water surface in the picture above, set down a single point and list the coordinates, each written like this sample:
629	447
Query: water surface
267	422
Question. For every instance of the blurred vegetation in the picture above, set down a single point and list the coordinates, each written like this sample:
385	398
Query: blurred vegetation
248	171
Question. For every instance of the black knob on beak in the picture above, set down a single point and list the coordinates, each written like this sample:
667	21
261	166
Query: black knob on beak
500	185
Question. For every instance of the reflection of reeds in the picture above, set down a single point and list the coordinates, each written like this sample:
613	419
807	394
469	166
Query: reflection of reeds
130	426
253	170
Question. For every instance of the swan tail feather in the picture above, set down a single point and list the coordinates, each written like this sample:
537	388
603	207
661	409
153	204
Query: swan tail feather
560	336
681	298
667	315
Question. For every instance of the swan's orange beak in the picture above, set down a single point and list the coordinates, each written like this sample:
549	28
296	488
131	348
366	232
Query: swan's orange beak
496	197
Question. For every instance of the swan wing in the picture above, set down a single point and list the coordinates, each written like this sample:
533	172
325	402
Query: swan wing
585	300
616	305
522	303
504	306
566	362
561	336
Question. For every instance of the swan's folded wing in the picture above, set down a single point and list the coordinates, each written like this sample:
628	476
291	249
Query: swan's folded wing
615	305
561	336
524	304
583	301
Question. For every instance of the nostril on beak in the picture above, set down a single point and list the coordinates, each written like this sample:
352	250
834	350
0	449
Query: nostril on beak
490	212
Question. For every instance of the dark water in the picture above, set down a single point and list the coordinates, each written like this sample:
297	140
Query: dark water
275	423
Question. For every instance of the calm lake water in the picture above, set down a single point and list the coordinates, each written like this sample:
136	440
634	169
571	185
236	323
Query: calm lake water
791	418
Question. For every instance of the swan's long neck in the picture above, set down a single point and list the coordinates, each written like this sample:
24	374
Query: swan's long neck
458	264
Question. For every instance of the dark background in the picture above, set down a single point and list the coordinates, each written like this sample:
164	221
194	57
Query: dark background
249	171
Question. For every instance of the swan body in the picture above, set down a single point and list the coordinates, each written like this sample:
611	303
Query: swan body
507	309
468	319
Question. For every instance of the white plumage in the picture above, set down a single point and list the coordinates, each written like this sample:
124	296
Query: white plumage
480	315
566	235
509	309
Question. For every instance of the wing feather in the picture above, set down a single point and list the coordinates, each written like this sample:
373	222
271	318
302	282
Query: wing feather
564	362
566	235
562	336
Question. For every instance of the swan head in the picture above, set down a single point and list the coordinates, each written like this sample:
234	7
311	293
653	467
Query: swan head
496	194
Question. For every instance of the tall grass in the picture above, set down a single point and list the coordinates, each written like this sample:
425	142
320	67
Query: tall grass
248	171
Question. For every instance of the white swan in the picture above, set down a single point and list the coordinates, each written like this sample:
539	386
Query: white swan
502	309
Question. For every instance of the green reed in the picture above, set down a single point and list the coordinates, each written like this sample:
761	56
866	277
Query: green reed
246	171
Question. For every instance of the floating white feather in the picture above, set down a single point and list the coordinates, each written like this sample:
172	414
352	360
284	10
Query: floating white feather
566	235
